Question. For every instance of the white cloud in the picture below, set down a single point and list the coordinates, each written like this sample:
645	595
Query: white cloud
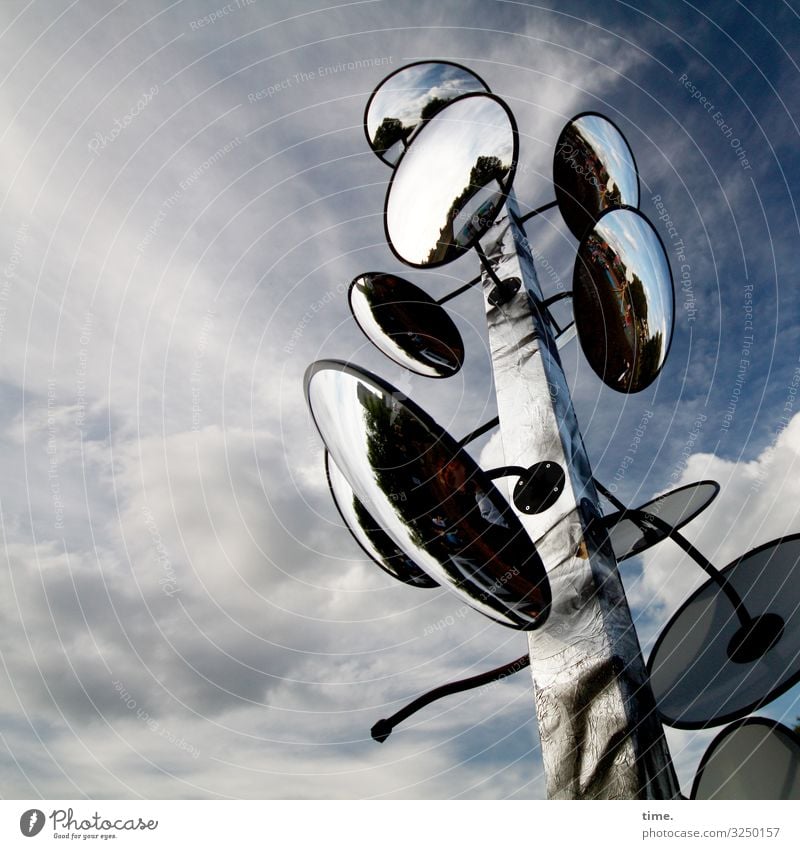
206	569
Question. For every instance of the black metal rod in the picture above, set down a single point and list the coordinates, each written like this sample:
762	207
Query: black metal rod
566	329
555	298
674	534
384	727
545	307
487	266
479	431
704	563
537	211
459	291
606	494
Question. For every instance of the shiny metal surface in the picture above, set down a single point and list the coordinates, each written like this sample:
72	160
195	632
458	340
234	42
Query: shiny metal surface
406	324
428	494
407	98
600	734
374	541
694	679
753	759
449	186
593	170
631	532
623	300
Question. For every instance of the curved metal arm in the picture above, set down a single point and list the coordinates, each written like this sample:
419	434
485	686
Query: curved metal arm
639	516
384	727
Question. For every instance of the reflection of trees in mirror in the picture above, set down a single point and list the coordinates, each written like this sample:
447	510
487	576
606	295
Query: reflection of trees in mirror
392	130
649	360
389	133
399	564
444	508
486	170
434	105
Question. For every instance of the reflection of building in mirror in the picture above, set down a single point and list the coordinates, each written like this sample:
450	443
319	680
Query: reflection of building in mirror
623	300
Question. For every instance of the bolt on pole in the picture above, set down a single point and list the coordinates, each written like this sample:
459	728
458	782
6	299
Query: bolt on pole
601	737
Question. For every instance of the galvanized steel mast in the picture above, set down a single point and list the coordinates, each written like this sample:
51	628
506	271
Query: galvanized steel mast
600	734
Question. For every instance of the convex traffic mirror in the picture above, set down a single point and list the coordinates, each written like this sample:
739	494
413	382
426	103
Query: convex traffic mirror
623	300
593	170
409	97
406	324
427	494
713	663
754	758
634	531
451	183
372	539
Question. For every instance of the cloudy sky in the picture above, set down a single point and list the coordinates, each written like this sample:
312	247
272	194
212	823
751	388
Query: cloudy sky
186	193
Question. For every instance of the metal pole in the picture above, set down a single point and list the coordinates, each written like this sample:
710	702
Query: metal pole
600	734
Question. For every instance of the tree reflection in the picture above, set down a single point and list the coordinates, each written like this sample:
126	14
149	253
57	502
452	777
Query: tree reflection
389	133
449	509
392	557
487	170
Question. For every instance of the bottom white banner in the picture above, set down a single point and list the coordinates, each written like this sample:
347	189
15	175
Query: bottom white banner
399	824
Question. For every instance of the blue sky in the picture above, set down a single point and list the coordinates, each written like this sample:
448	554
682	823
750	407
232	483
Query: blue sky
186	194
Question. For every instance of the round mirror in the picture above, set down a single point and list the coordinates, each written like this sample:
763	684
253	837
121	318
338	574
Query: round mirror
631	531
406	324
698	679
754	758
373	540
407	98
593	170
623	300
449	185
428	494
